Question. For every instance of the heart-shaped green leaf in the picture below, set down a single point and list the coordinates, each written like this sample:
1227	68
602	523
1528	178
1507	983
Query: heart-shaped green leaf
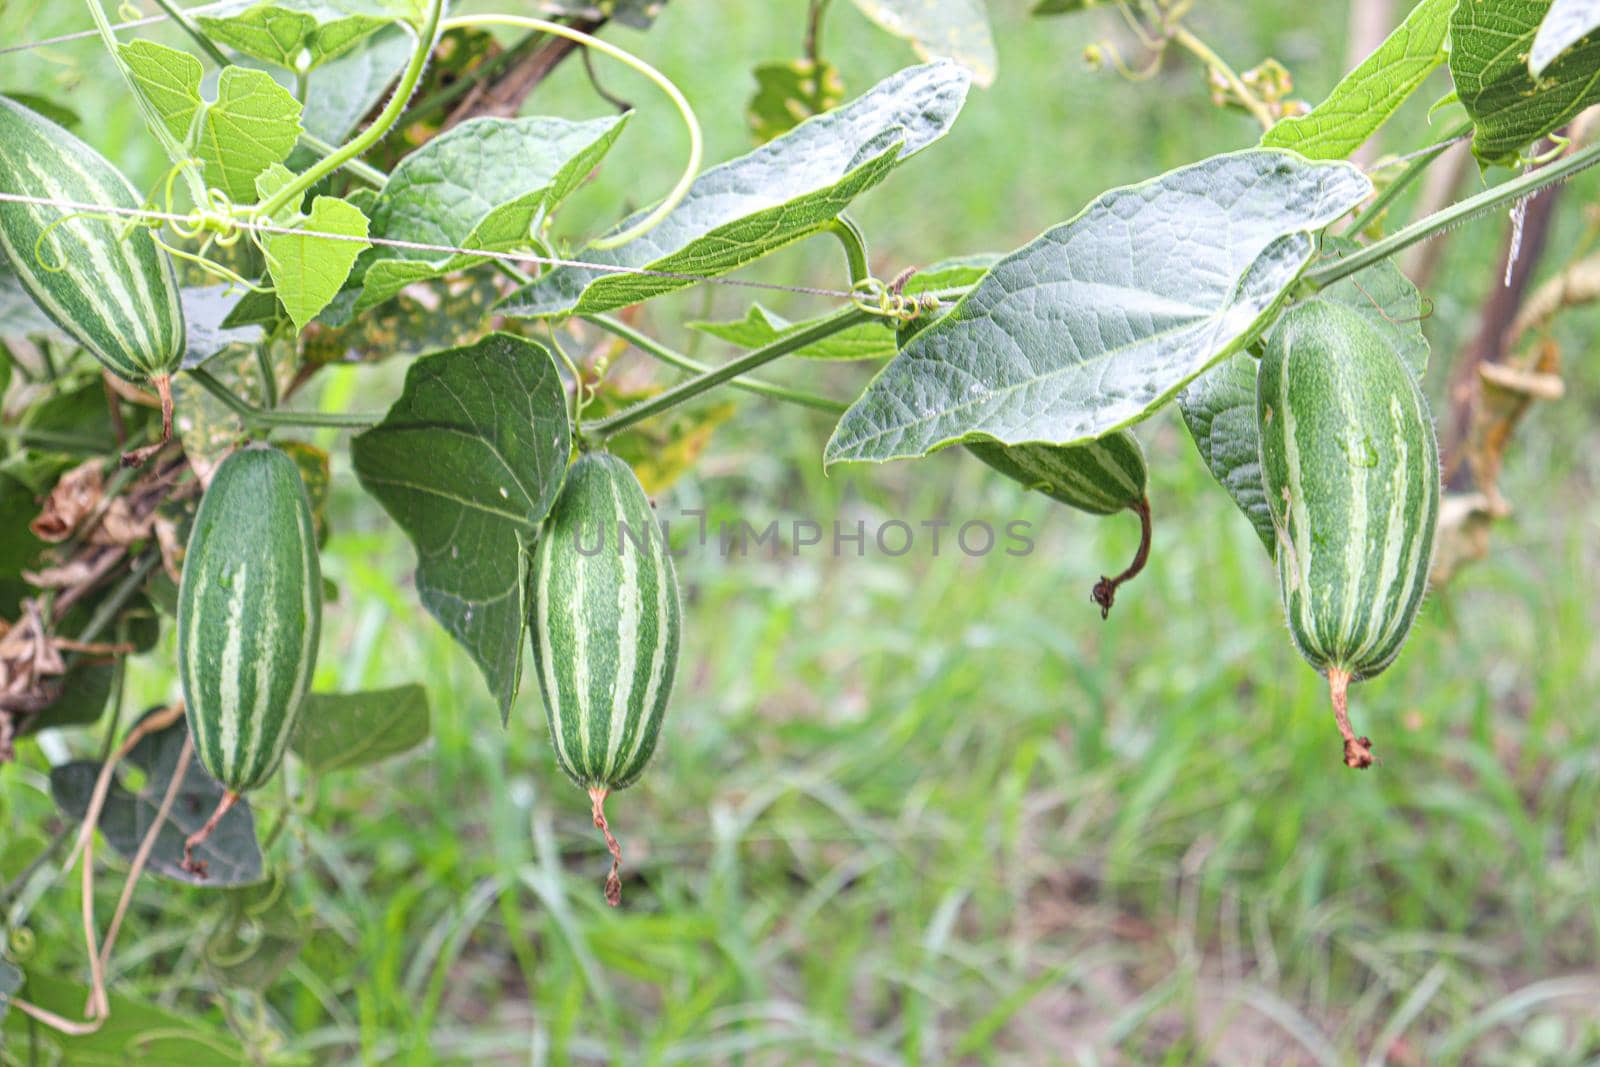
1103	319
778	194
252	124
487	183
342	730
308	271
468	461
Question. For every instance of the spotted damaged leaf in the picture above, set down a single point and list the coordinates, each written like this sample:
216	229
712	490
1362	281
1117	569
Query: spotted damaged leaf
1104	318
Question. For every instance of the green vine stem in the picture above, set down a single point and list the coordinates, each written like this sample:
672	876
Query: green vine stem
256	416
649	345
1403	180
427	34
691	169
842	319
1432	225
854	241
1205	54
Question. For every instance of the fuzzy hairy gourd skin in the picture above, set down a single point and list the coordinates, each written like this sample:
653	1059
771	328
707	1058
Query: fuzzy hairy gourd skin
1350	464
249	616
605	622
117	296
1102	477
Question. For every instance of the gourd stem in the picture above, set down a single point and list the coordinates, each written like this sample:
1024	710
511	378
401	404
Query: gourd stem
597	801
1357	750
1432	225
827	326
649	345
855	247
1105	590
1404	179
198	838
138	457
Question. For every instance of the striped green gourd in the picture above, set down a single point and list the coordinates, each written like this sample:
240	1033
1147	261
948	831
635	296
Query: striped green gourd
1350	466
249	614
113	291
1102	477
605	623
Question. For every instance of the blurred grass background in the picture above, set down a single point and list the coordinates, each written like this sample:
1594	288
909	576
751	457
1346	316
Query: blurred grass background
933	810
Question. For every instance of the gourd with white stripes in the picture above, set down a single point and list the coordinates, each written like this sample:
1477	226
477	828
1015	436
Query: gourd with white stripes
605	623
1101	477
103	281
1350	466
249	614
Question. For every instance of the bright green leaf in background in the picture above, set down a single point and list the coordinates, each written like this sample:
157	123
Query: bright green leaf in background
1219	407
1102	319
953	29
487	183
301	34
252	124
308	271
1491	43
341	93
1065	7
789	92
1567	23
468	461
1366	97
135	1034
778	194
343	730
231	854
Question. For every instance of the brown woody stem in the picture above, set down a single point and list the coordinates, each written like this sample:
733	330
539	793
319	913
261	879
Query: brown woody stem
597	798
198	838
1105	590
1357	750
140	456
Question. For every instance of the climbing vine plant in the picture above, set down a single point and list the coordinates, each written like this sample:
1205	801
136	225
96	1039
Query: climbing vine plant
329	170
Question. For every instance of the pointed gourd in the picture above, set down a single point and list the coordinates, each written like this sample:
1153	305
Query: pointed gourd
101	278
1350	466
249	616
605	623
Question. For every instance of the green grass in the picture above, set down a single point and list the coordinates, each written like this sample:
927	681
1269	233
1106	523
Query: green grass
924	810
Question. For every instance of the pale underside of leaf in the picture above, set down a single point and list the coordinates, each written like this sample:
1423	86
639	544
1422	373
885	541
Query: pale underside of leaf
956	29
1567	23
1490	46
767	199
1104	318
